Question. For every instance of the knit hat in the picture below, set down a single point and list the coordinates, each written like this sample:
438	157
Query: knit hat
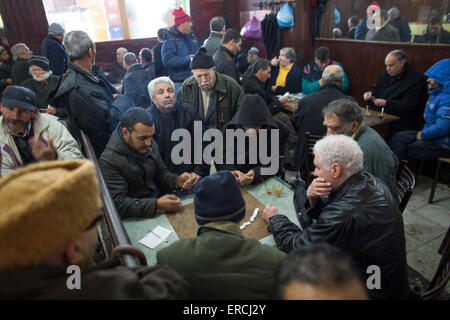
202	60
55	29
254	51
40	61
393	11
218	198
43	208
19	97
180	16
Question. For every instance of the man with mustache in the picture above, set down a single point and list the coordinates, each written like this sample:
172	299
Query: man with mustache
27	136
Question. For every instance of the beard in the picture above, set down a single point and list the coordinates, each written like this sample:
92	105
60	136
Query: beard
17	126
43	76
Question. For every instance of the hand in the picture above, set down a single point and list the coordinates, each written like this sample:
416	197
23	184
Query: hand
169	202
116	94
275	61
379	102
187	180
321	82
284	99
274	88
42	150
367	96
269	212
50	110
419	135
318	188
248	177
238	175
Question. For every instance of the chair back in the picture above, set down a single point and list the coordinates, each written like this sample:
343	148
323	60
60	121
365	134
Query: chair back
405	184
311	140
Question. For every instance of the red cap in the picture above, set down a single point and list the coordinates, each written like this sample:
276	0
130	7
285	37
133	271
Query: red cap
374	3
180	16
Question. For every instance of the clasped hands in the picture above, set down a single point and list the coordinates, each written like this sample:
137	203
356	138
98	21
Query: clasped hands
377	102
242	178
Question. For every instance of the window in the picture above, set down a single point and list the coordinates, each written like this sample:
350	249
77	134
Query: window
106	20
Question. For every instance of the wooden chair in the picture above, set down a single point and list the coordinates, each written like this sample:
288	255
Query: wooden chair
436	176
405	184
311	140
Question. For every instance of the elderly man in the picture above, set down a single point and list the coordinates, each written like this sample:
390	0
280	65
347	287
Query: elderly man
134	172
48	237
20	71
217	27
168	115
312	73
286	75
225	56
53	49
400	23
354	211
308	116
435	33
344	116
93	104
179	45
135	81
399	91
117	70
27	136
214	96
220	263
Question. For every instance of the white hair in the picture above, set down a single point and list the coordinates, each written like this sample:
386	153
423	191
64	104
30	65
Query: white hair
151	86
342	150
17	49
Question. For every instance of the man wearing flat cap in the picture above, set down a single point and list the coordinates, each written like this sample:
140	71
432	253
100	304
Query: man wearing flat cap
48	214
53	49
27	136
215	96
220	263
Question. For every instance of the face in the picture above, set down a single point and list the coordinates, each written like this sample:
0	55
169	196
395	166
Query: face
17	119
119	55
251	58
186	27
296	290
164	98
322	64
38	73
435	29
205	77
284	61
236	46
27	53
334	125
4	55
432	84
321	172
263	75
140	138
393	66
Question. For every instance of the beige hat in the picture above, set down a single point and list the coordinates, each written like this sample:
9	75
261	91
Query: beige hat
43	208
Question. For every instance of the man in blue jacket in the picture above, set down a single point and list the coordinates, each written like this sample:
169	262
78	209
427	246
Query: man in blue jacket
53	49
433	141
135	81
179	45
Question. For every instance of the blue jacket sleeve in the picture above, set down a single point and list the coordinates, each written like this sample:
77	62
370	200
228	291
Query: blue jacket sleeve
441	128
170	57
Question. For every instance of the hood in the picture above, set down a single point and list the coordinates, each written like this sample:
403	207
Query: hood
440	72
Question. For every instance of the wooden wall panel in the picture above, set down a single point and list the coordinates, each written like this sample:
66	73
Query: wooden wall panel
202	11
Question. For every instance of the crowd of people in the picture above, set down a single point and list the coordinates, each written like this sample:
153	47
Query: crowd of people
350	220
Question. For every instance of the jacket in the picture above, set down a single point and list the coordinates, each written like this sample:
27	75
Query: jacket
221	264
404	96
91	107
160	69
116	73
312	74
293	80
361	29
44	91
20	71
443	37
401	24
5	73
45	126
56	54
225	63
225	98
150	69
351	33
176	50
134	180
104	281
134	86
213	42
362	218
386	33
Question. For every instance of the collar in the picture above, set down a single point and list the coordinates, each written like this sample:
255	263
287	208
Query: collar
360	130
224	226
342	189
87	74
215	34
227	51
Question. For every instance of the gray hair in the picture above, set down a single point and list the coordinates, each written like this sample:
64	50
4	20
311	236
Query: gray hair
17	49
399	54
77	44
329	78
151	86
129	58
216	24
289	53
342	150
346	110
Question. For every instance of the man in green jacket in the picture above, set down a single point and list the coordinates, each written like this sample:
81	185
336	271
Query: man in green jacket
220	263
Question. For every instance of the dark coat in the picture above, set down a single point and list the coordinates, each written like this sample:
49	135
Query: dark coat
401	24
105	281
56	54
160	69
5	73
20	71
134	180
351	33
361	29
90	105
386	33
116	72
45	91
134	86
362	218
150	69
225	63
293	80
405	97
442	37
308	118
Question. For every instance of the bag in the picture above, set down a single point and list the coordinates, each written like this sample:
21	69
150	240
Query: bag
285	16
252	29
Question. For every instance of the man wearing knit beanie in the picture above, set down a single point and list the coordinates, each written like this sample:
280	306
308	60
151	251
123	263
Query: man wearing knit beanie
48	214
220	263
53	49
179	45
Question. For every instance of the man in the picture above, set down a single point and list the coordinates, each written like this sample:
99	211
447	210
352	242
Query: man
352	23
353	211
436	33
21	55
220	263
286	75
168	115
48	232
319	272
244	60
361	29
27	136
160	69
53	49
384	32
312	73
135	81
308	116
399	91
217	27
145	57
117	70
134	172
337	33
344	116
214	96
5	69
252	55
225	56
433	141
400	23
93	104
179	45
